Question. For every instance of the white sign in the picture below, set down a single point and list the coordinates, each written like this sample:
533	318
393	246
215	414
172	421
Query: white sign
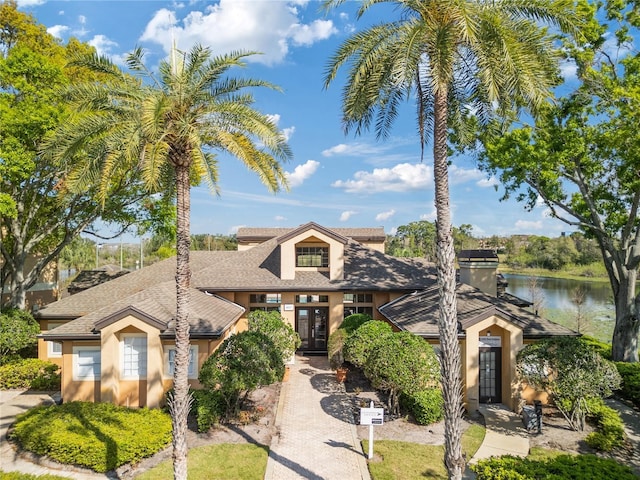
371	416
493	342
288	307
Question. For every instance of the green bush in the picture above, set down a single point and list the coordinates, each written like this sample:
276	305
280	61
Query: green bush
426	406
30	373
353	322
360	343
284	337
100	436
610	429
630	373
28	476
208	407
243	362
562	467
18	331
402	363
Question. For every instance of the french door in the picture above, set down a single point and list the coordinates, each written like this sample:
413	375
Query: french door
490	375
311	325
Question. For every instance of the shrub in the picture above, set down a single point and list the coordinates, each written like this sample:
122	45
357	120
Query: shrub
610	429
208	407
100	436
359	344
426	406
402	362
243	362
284	337
30	373
630	373
562	467
335	347
18	331
352	322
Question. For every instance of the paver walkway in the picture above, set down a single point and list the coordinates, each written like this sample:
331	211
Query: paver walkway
505	433
317	435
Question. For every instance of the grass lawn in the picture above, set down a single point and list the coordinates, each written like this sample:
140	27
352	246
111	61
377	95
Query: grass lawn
394	459
223	462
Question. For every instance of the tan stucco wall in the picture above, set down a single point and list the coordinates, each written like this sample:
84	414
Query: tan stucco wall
311	237
481	275
71	390
511	340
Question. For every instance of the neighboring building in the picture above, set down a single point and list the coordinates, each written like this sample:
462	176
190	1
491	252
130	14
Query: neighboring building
114	341
90	278
43	292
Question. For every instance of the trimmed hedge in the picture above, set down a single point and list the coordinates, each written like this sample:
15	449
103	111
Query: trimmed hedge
426	406
100	436
208	407
28	476
352	322
30	373
630	373
610	429
562	467
363	340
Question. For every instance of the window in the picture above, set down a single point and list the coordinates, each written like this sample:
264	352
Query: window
265	298
54	349
312	256
312	298
134	356
86	363
170	361
358	303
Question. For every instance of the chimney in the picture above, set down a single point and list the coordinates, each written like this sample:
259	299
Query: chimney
479	268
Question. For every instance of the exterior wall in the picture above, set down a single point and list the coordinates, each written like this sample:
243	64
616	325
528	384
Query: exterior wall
77	390
44	351
115	389
312	238
511	341
481	275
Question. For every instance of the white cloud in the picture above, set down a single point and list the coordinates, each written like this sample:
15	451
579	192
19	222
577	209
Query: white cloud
57	30
526	225
287	132
102	44
383	216
429	217
30	3
568	69
488	182
231	25
401	178
302	173
234	229
459	175
346	215
279	218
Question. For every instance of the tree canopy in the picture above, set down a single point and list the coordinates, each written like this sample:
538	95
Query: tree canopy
581	157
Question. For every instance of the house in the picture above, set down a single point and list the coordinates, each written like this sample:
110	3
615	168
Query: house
115	341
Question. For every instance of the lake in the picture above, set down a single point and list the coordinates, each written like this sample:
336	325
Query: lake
557	304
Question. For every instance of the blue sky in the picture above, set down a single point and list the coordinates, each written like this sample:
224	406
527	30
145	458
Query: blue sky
336	180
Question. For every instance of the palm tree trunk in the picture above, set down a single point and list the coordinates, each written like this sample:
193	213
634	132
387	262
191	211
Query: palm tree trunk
181	401
448	321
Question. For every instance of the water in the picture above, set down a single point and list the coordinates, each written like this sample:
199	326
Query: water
557	304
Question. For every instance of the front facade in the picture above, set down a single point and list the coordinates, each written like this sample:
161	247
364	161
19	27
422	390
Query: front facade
115	341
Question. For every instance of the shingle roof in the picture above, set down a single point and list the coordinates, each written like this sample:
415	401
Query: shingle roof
105	294
418	313
258	269
248	234
209	315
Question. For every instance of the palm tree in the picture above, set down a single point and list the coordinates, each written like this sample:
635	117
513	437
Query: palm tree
166	129
458	59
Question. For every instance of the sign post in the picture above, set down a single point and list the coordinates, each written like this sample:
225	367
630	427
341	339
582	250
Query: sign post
371	416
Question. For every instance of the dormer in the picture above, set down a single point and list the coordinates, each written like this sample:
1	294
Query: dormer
312	247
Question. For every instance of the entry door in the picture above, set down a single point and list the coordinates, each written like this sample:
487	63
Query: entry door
311	325
490	375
